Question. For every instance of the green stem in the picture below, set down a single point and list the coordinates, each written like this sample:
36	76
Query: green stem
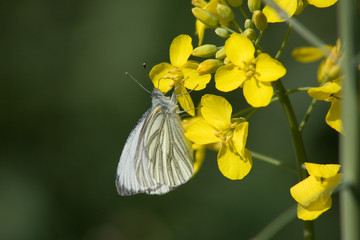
302	89
277	224
272	161
243	12
283	43
349	142
298	145
257	42
307	115
228	29
236	25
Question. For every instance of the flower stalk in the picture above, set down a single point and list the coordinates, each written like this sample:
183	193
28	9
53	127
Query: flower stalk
349	142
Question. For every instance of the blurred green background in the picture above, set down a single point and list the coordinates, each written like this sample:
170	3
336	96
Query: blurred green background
67	109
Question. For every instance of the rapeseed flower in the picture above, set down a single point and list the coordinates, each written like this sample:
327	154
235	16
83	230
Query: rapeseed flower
180	73
313	194
293	7
214	126
253	74
330	92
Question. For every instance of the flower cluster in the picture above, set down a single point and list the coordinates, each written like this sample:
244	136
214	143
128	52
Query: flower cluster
241	63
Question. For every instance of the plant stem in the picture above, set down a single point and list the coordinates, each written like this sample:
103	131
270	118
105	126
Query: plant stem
277	224
298	145
307	115
272	161
349	142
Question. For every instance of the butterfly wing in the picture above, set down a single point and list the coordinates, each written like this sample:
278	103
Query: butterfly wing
126	180
170	158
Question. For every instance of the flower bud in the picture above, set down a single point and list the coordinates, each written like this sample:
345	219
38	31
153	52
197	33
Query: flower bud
206	17
225	12
250	34
222	32
227	61
199	3
220	54
260	20
235	3
207	50
254	5
248	23
300	8
209	66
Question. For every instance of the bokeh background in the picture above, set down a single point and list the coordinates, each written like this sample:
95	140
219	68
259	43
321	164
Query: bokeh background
67	109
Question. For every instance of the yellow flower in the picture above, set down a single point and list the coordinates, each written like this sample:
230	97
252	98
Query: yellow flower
322	3
199	150
180	74
314	193
291	7
330	92
216	126
329	68
253	74
288	6
210	6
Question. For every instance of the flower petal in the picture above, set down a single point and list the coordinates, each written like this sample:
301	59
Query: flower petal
192	79
216	110
322	3
307	191
333	117
201	132
324	92
184	99
256	93
239	48
313	189
289	6
200	31
229	77
268	69
307	54
180	50
240	136
231	164
158	74
314	210
200	151
322	170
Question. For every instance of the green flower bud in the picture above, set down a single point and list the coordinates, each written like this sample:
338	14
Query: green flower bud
248	24
254	5
207	50
260	20
225	12
235	3
206	17
250	34
220	54
222	32
209	66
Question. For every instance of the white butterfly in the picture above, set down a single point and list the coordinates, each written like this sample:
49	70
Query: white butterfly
156	157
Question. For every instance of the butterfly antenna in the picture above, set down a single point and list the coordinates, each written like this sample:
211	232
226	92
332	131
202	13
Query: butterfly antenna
129	75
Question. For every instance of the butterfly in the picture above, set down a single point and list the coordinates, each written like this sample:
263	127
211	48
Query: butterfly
156	157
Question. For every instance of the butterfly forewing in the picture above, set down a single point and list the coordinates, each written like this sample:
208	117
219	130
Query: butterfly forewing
156	157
